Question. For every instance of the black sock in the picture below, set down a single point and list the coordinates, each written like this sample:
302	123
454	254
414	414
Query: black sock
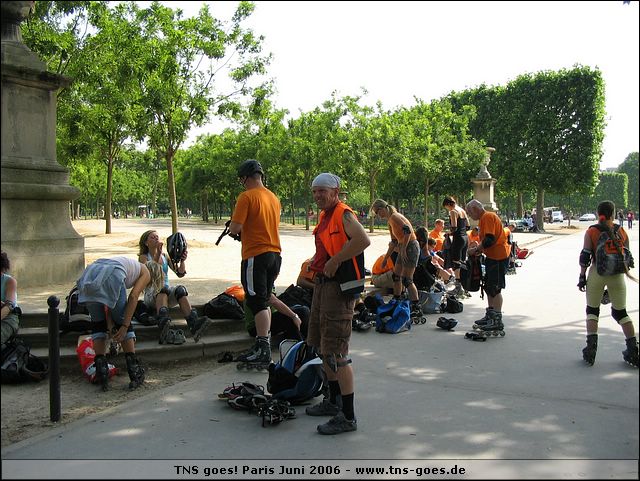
347	406
334	391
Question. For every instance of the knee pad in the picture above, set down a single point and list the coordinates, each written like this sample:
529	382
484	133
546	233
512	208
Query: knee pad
165	291
492	291
395	277
330	361
342	361
593	313
407	281
180	292
99	329
256	304
619	315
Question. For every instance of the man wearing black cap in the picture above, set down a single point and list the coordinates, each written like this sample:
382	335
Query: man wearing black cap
339	263
256	217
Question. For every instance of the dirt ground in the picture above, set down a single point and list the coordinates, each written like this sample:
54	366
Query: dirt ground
210	269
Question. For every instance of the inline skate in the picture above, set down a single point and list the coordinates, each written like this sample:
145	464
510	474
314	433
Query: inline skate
630	354
589	352
259	357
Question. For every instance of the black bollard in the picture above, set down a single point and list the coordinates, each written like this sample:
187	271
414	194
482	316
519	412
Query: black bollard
54	359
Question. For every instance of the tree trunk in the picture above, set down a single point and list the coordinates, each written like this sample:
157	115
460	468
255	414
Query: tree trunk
540	209
520	207
426	204
107	203
172	192
372	194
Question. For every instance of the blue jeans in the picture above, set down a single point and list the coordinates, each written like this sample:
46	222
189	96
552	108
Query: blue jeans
99	316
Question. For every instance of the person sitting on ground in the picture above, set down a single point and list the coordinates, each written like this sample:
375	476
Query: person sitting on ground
151	250
447	275
382	277
474	235
306	278
103	288
9	298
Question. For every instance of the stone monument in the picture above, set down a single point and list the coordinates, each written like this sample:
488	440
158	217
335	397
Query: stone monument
37	233
484	184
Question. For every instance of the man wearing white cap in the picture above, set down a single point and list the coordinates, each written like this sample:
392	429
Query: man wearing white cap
339	263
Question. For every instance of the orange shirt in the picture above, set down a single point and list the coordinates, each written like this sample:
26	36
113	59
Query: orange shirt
439	237
490	223
473	235
305	272
258	210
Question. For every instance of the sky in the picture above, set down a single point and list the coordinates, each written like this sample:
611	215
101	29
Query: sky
399	51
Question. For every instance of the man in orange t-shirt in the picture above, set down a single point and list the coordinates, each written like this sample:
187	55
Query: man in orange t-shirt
438	234
306	278
257	217
494	244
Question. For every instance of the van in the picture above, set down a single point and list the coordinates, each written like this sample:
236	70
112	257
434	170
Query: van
556	216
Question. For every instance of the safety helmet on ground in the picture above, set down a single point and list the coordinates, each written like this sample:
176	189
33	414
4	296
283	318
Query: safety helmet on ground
176	246
250	167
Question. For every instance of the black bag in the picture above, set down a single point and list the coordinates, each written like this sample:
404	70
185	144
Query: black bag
471	273
453	305
223	306
76	317
296	295
19	365
424	277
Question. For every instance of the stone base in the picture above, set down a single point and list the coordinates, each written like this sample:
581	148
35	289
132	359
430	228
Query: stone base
42	245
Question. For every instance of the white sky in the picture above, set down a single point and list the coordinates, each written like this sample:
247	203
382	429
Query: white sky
398	50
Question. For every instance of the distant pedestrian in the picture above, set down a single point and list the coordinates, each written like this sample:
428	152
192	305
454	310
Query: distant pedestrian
630	220
594	284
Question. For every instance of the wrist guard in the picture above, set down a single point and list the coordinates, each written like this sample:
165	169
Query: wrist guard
582	282
585	258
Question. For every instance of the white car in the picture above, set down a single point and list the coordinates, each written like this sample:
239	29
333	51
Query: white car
556	216
588	217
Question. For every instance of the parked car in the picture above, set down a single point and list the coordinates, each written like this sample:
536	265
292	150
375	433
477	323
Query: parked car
556	216
588	217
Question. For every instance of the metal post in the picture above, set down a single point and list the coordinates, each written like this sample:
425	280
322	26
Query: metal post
54	359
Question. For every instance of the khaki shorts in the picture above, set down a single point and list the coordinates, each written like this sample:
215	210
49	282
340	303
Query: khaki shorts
331	316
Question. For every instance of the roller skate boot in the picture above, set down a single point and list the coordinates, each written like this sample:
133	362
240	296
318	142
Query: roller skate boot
164	324
102	372
589	352
197	325
494	325
483	321
417	316
630	354
135	370
258	357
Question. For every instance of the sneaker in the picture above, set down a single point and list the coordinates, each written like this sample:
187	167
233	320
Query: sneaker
324	408
338	424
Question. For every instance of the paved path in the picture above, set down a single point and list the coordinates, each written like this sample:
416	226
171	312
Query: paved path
521	406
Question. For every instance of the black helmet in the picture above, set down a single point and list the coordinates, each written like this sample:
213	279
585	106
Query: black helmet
249	167
176	246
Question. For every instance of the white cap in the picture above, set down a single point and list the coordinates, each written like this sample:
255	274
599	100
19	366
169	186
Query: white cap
326	179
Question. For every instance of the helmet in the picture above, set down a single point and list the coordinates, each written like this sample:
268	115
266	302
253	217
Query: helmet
249	167
176	246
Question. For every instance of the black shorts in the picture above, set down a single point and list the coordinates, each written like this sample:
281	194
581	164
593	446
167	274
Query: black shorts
495	273
257	276
458	250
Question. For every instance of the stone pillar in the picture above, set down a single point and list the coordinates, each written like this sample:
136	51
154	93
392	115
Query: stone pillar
37	233
483	184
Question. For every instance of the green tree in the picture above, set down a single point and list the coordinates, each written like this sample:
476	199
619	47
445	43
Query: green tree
630	167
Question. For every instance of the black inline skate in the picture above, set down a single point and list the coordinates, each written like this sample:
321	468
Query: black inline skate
258	357
630	354
589	352
417	316
164	324
135	370
197	325
494	325
483	321
102	372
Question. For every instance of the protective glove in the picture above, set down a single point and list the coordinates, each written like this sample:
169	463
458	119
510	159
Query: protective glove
582	282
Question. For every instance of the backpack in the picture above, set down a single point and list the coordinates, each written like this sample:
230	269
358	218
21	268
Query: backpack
394	317
471	275
424	276
293	295
76	317
611	256
297	377
19	365
431	301
223	306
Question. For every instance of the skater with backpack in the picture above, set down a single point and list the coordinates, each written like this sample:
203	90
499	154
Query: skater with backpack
605	252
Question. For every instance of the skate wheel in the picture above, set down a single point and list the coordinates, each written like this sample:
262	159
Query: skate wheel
502	333
423	320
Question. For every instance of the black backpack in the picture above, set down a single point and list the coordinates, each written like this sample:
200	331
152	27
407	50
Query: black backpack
296	295
76	317
223	306
452	305
471	273
19	365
